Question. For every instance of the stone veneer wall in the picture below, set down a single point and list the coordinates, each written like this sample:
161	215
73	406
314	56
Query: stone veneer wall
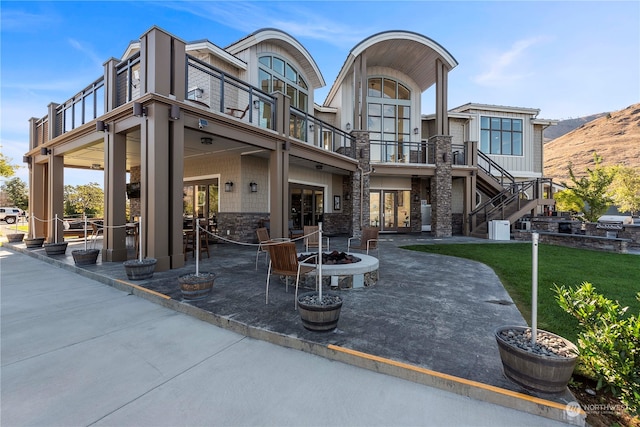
134	204
241	225
441	187
363	154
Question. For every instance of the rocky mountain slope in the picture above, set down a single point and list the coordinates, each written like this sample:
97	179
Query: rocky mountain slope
614	136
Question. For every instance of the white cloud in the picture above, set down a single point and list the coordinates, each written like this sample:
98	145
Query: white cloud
95	58
507	67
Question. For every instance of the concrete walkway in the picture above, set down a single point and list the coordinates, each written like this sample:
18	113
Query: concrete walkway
428	320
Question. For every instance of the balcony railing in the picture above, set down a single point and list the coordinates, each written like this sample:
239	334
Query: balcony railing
128	79
216	90
312	130
402	152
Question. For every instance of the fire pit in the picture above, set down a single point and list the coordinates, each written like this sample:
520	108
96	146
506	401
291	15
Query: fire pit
342	270
332	258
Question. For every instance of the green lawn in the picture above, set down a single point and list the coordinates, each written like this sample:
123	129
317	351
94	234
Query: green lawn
616	276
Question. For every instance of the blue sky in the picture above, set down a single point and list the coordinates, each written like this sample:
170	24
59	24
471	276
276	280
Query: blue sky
569	59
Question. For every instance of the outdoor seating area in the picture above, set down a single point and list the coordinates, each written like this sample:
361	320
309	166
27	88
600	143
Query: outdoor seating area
402	309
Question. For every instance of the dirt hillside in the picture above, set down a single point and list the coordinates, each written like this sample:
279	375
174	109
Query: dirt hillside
614	136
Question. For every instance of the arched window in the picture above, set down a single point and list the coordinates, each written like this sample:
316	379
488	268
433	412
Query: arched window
389	119
276	74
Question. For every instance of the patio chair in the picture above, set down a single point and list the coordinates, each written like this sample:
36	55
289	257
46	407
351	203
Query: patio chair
283	261
263	239
368	240
312	239
294	233
97	230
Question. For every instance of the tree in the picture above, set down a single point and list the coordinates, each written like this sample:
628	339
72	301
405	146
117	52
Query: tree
16	189
6	168
84	199
625	189
567	200
593	189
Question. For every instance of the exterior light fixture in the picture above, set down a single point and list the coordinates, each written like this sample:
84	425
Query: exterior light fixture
319	167
228	186
101	126
139	110
347	196
202	123
198	92
256	104
415	131
416	198
311	127
253	187
174	112
44	151
206	140
348	127
444	157
95	166
26	159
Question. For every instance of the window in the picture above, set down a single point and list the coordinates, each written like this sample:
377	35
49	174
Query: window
501	136
275	74
389	119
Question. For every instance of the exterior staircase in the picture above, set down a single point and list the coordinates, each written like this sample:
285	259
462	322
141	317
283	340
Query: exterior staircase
510	200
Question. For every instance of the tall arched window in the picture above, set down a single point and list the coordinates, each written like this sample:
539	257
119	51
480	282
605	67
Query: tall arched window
389	119
276	74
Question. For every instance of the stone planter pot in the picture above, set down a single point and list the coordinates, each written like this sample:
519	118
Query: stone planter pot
15	237
85	257
316	316
194	287
546	373
34	242
140	270
58	248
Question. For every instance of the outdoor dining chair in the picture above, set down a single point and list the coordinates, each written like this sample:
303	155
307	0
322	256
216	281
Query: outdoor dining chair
263	239
312	238
368	240
283	261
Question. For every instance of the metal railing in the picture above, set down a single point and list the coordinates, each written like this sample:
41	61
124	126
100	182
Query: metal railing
214	89
494	170
128	79
319	133
402	152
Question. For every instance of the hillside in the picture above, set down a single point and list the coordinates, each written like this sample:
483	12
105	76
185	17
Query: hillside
565	126
614	136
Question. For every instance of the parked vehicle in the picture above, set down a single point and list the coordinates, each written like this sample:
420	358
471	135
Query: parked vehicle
10	215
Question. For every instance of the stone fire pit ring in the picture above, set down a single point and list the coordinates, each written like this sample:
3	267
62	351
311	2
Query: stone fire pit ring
356	275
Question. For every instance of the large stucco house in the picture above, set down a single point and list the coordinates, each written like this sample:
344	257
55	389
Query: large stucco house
184	130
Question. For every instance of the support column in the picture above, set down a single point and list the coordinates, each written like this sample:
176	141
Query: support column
38	199
55	184
441	187
279	171
361	182
176	180
115	170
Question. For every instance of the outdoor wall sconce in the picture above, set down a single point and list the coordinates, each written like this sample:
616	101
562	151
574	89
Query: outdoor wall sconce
319	167
311	127
95	166
416	198
102	126
174	112
347	196
139	110
348	127
253	187
44	151
26	159
415	131
444	157
228	186
205	140
256	104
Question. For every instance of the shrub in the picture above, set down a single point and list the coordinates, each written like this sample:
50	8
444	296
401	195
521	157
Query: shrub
609	341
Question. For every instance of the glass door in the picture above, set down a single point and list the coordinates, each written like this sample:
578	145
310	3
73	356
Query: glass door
200	200
307	207
389	209
390	217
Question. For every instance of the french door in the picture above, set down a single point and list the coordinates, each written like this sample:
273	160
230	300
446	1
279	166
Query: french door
307	205
389	209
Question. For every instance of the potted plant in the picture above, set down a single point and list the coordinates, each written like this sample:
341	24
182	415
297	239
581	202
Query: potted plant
535	359
141	268
319	311
33	241
85	256
196	286
56	247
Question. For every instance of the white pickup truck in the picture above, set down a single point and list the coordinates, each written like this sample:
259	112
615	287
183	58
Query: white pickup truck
10	215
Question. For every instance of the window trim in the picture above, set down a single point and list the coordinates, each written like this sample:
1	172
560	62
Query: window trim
500	131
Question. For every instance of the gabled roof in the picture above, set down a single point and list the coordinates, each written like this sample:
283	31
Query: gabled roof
410	53
293	48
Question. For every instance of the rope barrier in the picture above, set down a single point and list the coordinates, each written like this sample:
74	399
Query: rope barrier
268	243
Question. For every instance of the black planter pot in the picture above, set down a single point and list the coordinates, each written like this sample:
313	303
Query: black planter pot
194	287
537	372
34	242
316	316
85	257
15	237
140	270
58	248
